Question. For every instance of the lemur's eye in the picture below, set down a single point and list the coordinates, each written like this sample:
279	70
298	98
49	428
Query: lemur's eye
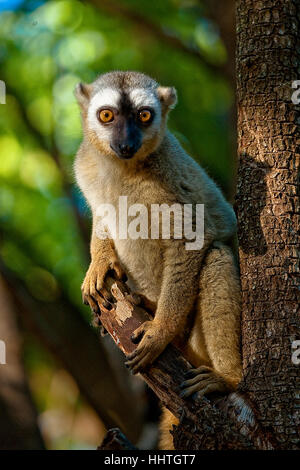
145	115
105	115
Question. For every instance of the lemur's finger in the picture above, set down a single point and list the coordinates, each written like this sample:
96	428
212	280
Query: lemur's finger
135	354
103	298
194	380
136	364
211	388
200	370
99	283
120	274
93	304
188	391
106	294
142	364
104	303
84	299
204	387
132	355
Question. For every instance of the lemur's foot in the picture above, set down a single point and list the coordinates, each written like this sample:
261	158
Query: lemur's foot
203	381
152	342
93	290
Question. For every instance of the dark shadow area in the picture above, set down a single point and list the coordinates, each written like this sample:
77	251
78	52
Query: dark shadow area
251	175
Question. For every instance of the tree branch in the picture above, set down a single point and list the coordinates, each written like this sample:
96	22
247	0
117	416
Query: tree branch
218	423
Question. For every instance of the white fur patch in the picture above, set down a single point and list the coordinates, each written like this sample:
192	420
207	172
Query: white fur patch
106	97
142	97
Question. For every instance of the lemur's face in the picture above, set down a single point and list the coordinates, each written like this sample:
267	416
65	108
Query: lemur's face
125	120
124	113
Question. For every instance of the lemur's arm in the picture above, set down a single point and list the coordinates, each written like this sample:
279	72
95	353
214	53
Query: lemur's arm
103	259
178	293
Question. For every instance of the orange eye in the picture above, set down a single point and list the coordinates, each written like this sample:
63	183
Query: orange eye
145	115
106	115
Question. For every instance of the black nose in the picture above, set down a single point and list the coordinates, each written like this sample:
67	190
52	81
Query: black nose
126	149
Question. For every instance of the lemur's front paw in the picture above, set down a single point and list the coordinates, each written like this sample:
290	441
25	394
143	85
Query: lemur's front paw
203	381
93	290
152	342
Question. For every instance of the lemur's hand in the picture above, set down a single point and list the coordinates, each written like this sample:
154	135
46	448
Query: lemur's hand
93	289
152	341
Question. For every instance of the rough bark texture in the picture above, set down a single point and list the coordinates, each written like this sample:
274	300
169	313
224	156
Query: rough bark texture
268	59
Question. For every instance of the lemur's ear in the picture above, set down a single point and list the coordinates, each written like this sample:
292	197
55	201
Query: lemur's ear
83	94
167	96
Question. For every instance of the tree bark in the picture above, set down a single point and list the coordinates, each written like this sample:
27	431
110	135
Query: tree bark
268	59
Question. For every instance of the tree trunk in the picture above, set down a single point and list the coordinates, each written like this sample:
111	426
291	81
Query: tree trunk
268	59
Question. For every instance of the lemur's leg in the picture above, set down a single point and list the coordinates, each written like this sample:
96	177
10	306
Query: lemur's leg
218	323
214	340
179	291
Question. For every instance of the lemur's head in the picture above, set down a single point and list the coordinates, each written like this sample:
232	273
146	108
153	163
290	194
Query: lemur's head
124	113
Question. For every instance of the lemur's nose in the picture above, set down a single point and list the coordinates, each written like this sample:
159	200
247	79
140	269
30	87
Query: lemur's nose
126	149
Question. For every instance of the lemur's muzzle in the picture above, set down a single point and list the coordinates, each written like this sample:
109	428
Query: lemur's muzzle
125	150
126	139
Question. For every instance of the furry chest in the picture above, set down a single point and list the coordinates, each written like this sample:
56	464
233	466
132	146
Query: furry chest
142	260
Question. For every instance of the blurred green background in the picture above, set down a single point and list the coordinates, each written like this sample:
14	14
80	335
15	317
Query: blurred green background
46	48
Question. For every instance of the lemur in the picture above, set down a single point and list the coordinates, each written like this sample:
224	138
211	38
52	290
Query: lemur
127	150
